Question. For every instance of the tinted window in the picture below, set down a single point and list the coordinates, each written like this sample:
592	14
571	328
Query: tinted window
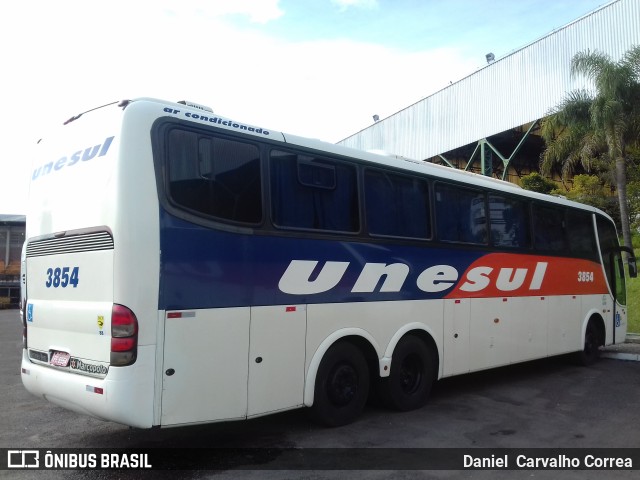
580	234
397	205
313	193
214	176
460	215
509	222
548	227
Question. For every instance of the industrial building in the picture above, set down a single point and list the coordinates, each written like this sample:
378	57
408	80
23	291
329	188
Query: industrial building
488	122
12	231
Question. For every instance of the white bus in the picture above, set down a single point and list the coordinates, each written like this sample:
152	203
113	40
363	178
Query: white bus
183	267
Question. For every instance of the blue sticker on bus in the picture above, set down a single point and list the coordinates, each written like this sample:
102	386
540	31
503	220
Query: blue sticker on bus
30	312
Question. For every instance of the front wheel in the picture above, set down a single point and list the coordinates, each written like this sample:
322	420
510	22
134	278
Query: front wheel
411	377
591	351
342	385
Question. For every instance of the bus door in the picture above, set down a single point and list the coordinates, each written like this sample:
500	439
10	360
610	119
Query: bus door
612	260
618	287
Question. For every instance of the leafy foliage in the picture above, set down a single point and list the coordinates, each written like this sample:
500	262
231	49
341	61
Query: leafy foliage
590	189
537	183
598	130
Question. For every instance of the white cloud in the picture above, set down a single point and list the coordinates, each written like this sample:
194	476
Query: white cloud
340	85
345	4
258	11
91	56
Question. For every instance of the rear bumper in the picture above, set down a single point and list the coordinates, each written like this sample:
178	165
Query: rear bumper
127	392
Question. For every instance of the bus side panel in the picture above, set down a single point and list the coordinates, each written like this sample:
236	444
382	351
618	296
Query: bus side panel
276	358
205	365
491	332
456	337
565	324
530	325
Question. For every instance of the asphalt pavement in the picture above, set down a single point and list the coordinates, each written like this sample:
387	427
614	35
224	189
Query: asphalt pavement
629	350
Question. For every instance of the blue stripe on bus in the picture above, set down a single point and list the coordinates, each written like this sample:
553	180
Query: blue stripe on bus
208	268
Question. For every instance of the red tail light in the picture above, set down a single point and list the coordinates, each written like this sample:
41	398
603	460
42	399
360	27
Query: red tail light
124	336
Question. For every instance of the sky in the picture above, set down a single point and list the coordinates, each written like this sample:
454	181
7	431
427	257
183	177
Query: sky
315	68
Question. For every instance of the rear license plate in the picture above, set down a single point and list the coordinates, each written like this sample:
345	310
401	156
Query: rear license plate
59	359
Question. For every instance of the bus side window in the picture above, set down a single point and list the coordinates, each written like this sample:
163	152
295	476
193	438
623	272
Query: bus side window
581	234
215	177
509	222
397	205
460	215
548	228
313	193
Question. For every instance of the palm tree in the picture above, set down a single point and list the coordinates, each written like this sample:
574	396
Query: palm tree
587	127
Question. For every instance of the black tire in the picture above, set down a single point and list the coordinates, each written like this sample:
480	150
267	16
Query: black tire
411	377
342	386
590	353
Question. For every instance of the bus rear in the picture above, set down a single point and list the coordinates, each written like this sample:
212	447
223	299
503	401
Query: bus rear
92	192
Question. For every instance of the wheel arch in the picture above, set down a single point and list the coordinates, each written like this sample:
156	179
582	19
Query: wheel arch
358	337
419	330
595	317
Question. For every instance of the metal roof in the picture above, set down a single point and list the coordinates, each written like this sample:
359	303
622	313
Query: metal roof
12	219
512	91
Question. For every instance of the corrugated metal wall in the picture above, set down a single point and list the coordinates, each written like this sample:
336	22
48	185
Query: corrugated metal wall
517	89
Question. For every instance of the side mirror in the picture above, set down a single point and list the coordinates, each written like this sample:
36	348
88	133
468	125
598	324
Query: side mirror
631	261
633	267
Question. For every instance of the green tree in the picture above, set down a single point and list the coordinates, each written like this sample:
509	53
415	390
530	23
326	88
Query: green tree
596	129
537	183
587	189
633	192
591	190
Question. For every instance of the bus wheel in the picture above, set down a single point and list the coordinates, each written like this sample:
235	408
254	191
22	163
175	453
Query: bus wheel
591	352
342	386
412	374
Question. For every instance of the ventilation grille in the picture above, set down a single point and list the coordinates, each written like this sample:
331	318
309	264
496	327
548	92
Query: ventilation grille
39	356
87	242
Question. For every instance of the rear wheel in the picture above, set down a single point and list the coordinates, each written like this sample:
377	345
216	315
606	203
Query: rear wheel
411	377
342	385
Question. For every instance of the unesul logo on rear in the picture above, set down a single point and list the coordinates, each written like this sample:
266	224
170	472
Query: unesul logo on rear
82	155
492	275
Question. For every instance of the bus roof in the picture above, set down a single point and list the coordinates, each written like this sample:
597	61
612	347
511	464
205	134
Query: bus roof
393	161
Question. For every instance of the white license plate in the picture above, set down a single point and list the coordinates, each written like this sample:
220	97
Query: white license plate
59	359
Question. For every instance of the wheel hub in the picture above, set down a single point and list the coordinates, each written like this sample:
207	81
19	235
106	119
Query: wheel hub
342	385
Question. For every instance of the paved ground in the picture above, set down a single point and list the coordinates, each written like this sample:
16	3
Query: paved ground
630	350
549	403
